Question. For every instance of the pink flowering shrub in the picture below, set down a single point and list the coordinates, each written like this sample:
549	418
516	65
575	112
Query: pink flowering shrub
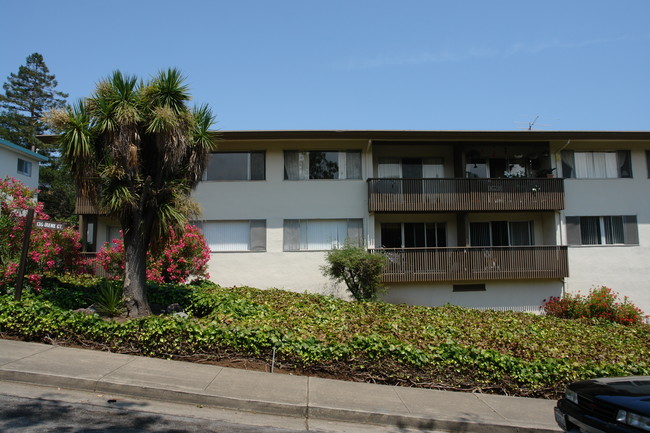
182	258
50	251
601	303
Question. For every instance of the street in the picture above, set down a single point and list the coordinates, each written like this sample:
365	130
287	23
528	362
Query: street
33	409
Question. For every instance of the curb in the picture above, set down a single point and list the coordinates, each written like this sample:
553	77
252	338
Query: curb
266	407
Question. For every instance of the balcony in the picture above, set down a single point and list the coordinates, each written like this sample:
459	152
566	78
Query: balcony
470	194
474	263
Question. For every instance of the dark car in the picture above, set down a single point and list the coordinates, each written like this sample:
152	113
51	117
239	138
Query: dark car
610	405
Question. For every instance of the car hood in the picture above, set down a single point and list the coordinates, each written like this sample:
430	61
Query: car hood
631	393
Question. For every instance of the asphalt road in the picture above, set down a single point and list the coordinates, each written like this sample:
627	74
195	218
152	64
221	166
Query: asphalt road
33	409
20	414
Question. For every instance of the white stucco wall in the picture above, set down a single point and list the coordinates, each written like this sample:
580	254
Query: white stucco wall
274	200
503	295
624	268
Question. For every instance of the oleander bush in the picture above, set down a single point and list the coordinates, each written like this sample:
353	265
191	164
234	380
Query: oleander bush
601	303
182	258
50	251
445	347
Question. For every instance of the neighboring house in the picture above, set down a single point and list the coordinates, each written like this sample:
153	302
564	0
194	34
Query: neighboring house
485	219
19	163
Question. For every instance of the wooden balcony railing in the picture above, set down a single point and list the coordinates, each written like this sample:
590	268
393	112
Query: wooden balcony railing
471	194
85	206
474	263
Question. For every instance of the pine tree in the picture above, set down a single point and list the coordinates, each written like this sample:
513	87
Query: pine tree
28	95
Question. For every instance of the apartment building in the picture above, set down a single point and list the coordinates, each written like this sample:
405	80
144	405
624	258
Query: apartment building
485	219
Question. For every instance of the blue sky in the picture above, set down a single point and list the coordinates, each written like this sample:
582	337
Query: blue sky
359	64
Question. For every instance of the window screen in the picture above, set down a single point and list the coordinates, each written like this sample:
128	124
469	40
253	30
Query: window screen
316	235
247	235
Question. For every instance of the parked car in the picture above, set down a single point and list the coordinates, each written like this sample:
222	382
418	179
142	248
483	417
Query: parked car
610	405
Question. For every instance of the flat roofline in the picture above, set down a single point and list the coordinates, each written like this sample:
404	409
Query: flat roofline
421	135
417	135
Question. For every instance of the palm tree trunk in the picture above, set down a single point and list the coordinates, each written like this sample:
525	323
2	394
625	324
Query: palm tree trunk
135	273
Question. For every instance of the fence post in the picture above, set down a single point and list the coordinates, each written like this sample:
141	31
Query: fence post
23	256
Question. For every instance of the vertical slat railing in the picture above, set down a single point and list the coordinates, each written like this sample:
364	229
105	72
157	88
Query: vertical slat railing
474	263
471	194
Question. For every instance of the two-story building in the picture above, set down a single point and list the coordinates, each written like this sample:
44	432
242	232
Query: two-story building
486	219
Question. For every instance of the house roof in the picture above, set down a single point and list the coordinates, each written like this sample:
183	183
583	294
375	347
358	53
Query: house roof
21	150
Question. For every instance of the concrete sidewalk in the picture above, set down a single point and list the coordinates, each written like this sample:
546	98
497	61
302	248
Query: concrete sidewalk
278	394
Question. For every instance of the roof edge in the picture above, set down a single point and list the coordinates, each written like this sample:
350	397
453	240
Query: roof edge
23	150
431	135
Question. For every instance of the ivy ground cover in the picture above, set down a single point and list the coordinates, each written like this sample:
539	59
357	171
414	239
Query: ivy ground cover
443	348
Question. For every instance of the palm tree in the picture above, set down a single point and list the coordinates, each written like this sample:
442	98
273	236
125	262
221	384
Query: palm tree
136	149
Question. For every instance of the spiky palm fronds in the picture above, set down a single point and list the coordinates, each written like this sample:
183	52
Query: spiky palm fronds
77	139
203	143
140	145
167	89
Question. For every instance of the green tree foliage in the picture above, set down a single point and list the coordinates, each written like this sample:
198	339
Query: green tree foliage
28	95
357	268
136	149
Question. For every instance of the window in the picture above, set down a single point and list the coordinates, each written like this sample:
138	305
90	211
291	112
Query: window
236	166
247	235
322	165
602	230
413	235
113	233
315	235
501	233
514	167
596	165
24	167
410	168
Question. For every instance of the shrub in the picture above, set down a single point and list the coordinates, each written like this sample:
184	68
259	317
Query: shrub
600	303
50	251
452	347
182	258
108	299
357	268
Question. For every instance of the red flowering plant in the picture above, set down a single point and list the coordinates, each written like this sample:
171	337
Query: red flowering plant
50	251
183	257
601	303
